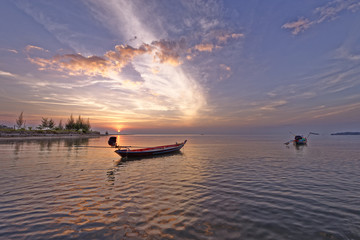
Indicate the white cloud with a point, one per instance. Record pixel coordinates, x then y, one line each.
7 74
120 17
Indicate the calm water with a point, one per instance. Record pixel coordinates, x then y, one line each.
218 187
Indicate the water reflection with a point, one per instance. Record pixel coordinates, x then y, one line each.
77 142
300 147
215 188
127 159
44 144
297 147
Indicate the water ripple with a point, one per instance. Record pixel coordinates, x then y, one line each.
219 188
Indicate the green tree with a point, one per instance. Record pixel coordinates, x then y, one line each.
44 123
70 123
85 126
51 124
79 123
20 120
88 126
60 126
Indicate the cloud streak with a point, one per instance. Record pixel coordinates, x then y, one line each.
328 12
6 74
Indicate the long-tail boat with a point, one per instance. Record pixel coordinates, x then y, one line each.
129 151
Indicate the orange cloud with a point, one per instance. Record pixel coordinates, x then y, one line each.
125 54
204 47
226 73
216 40
28 48
169 51
163 51
298 26
224 38
224 67
77 64
329 11
74 64
113 60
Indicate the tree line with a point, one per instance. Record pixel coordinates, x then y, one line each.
78 124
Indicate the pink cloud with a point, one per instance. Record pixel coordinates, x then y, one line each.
329 11
298 26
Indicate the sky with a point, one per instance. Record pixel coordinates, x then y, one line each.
158 66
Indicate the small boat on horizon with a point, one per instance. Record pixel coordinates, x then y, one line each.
299 139
129 151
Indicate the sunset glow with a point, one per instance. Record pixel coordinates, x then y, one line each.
207 67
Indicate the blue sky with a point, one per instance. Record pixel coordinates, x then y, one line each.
183 66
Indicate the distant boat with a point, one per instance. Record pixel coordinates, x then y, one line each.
126 151
300 140
346 133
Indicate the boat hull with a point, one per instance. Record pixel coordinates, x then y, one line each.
160 150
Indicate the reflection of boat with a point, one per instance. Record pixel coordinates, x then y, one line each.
126 151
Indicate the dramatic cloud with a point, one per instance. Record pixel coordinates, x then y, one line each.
328 12
76 64
148 74
163 51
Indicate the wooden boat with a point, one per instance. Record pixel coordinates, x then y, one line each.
126 151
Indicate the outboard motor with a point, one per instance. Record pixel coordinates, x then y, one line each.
112 141
297 138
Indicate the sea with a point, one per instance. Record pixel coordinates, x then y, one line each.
216 187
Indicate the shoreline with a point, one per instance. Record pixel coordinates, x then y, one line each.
19 136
